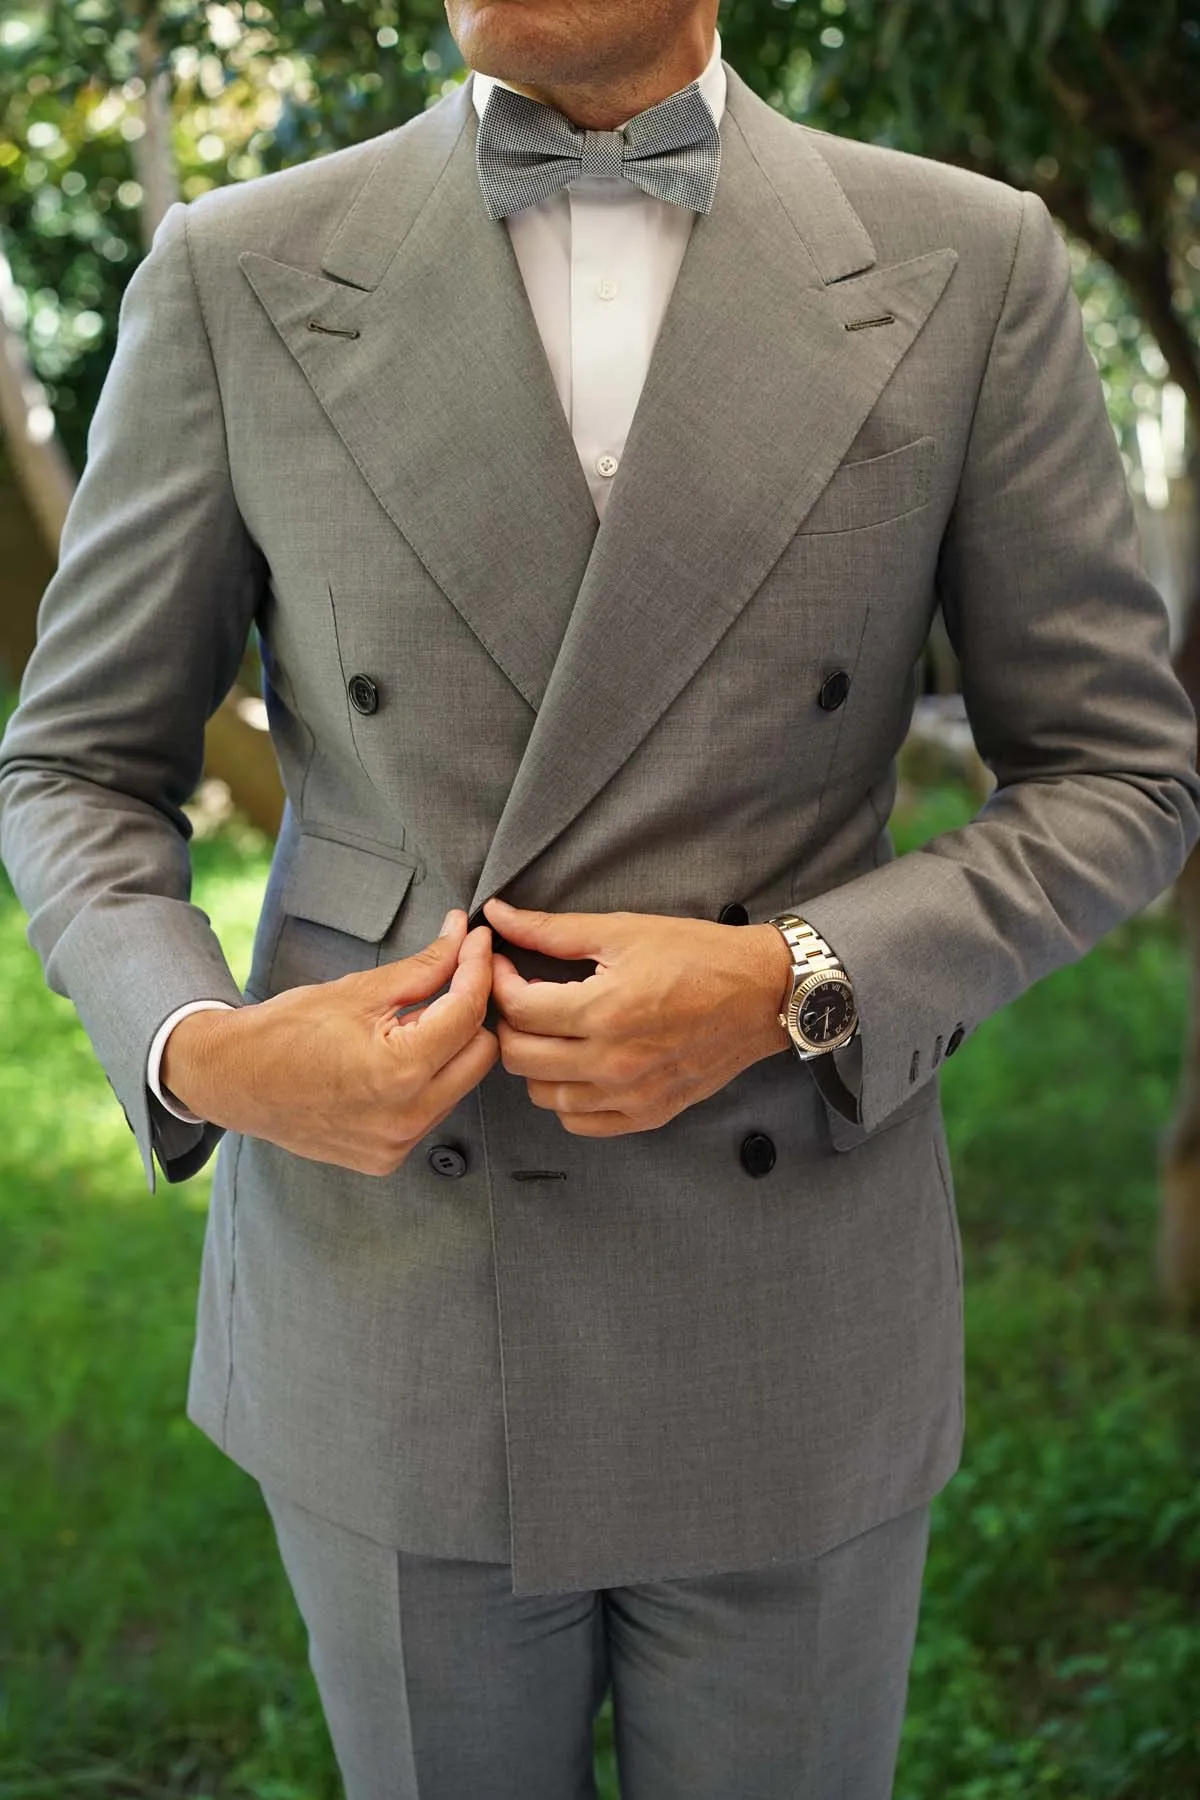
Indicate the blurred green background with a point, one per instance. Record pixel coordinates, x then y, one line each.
149 1645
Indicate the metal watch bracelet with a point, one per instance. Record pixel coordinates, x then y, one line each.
812 955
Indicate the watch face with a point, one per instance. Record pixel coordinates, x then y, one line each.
826 1012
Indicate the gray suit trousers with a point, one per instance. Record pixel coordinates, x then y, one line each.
780 1683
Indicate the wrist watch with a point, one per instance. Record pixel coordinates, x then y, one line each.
820 1013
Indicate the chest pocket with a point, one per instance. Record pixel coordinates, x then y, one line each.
872 492
338 903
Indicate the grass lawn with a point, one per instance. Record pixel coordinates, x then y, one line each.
149 1645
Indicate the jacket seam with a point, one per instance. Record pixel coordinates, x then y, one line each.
945 1177
207 336
831 762
233 1212
337 644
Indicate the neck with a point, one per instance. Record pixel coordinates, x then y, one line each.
603 106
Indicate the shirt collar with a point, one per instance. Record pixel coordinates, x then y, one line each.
712 84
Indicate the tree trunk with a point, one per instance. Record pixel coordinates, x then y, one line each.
153 153
1179 1165
27 566
237 749
39 462
1179 1169
239 752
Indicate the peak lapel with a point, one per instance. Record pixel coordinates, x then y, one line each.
755 392
444 398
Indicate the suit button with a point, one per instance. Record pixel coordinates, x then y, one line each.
733 914
364 696
834 690
758 1154
954 1040
444 1159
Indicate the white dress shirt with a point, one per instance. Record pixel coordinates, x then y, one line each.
599 260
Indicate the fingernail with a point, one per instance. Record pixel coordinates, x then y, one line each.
447 922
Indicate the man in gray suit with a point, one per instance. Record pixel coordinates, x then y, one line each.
591 453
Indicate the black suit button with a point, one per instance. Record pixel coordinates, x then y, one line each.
834 690
955 1039
733 914
444 1159
758 1154
364 696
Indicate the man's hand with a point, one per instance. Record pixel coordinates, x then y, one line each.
329 1072
676 1009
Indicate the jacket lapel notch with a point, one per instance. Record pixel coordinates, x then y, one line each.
411 161
789 161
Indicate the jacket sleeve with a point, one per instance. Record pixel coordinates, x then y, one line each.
1068 686
140 635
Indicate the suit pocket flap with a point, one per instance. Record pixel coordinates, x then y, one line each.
346 887
871 492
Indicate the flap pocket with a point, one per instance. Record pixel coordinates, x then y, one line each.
871 492
346 887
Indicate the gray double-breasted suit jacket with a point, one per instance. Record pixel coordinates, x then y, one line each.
329 413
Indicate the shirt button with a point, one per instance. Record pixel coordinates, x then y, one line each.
607 289
606 465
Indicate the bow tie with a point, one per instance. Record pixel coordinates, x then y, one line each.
525 150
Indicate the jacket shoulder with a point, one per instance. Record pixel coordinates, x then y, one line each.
878 176
910 204
290 212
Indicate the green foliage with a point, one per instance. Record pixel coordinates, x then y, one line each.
1094 103
148 1642
254 88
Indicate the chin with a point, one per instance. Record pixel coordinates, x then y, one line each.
516 41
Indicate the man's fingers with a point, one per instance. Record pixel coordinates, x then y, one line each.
459 1076
435 1032
451 1020
551 1008
573 937
414 977
546 1058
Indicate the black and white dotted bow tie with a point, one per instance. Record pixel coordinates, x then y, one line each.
525 150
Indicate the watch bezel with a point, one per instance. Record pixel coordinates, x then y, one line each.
791 1015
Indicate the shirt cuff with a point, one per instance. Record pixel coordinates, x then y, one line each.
159 1045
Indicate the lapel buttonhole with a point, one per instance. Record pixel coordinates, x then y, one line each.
332 330
868 324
